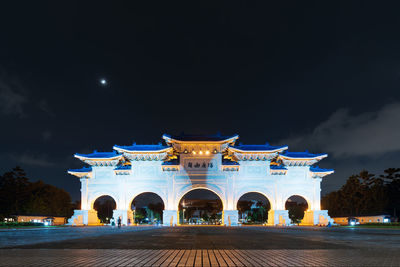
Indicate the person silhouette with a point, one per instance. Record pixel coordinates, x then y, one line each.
119 222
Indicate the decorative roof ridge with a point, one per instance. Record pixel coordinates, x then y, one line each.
258 148
141 148
300 155
123 167
83 169
226 162
200 138
98 155
277 167
318 169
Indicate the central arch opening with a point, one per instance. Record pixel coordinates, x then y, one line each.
147 208
200 207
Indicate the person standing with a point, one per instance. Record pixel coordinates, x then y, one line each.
119 222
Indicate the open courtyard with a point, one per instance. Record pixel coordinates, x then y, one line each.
200 246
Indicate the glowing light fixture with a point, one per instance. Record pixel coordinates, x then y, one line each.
185 151
194 152
215 151
207 152
201 152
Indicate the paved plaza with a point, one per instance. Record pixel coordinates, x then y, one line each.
200 246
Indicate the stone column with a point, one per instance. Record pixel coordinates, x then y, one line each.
170 217
125 215
316 217
84 217
278 217
230 217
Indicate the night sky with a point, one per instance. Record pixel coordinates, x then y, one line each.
322 76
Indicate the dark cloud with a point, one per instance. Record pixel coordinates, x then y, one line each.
369 134
44 106
46 135
264 70
13 96
32 159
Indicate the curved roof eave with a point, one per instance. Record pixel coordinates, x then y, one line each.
259 151
170 139
86 157
120 148
317 156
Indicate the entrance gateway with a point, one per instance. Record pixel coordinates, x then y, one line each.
211 162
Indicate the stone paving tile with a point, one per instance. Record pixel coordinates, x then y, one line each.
199 257
19 237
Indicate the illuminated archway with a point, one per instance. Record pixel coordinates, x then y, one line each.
105 206
200 206
296 206
253 208
147 208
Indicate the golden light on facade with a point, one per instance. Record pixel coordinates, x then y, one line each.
207 152
194 152
201 152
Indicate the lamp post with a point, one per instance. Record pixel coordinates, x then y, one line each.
183 211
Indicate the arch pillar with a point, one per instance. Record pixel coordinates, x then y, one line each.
125 215
170 217
278 217
84 217
230 217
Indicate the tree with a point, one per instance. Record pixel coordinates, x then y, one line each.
18 196
366 194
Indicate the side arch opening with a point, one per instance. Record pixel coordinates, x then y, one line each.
296 206
253 208
147 208
105 206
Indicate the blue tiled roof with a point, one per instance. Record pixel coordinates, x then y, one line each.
265 147
97 155
318 169
229 162
210 137
277 167
136 147
305 154
124 167
84 169
171 162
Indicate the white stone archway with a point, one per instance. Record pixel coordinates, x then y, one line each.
213 163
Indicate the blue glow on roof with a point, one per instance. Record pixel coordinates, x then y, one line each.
124 167
171 162
229 162
136 147
304 154
277 167
318 169
84 169
97 155
265 147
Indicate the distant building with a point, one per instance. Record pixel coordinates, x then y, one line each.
361 219
49 220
